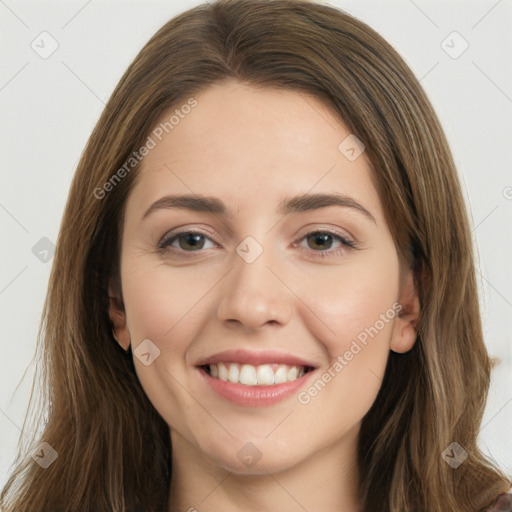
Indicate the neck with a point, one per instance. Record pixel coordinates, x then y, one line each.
326 480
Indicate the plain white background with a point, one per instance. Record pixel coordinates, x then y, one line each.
48 107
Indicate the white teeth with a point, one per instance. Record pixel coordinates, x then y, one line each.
292 373
248 375
223 371
233 373
262 375
281 374
265 375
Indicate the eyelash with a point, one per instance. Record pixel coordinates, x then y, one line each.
347 244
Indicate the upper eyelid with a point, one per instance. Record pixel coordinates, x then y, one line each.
170 235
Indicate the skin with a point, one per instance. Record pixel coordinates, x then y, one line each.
251 147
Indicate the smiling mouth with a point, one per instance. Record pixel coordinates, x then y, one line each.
261 375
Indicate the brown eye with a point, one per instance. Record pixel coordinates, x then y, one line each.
187 241
195 241
321 242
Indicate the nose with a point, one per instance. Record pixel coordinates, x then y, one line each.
254 294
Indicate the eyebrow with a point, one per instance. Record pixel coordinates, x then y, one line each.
296 204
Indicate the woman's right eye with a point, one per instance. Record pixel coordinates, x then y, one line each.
185 240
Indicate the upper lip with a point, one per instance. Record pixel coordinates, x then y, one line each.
243 356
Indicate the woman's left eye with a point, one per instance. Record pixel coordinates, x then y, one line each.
325 237
195 240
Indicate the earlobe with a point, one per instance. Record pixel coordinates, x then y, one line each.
117 316
404 331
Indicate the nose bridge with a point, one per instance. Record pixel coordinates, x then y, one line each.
253 294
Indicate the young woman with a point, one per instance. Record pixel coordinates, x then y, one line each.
263 294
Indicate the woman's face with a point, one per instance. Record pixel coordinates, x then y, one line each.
267 287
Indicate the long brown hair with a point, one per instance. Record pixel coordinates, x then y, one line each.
95 414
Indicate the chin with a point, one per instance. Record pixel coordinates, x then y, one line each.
259 457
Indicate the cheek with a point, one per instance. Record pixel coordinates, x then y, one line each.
344 390
161 301
352 300
354 313
161 304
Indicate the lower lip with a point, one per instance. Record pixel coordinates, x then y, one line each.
254 396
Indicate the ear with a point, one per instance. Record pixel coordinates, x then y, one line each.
117 315
404 329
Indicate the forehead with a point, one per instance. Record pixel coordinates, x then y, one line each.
252 146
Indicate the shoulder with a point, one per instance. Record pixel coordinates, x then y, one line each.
502 503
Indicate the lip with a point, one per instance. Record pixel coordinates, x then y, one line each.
254 396
243 356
